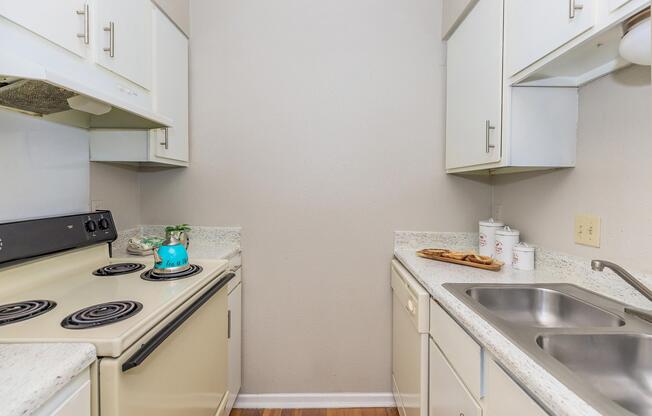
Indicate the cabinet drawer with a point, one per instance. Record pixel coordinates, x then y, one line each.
448 394
463 353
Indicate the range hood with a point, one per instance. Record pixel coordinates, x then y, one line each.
30 87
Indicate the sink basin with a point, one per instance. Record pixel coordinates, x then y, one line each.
617 365
587 341
541 307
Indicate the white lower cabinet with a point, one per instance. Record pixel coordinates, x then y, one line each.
505 398
235 344
461 378
74 399
448 394
465 380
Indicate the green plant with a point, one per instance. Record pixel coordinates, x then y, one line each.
177 228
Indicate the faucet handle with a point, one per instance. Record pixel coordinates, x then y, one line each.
597 265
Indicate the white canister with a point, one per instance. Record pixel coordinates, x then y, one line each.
523 257
506 239
488 236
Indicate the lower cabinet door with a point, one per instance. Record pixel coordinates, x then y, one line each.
448 394
505 398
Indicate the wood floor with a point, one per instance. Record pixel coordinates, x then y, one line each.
364 411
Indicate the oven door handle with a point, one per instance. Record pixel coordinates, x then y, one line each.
147 348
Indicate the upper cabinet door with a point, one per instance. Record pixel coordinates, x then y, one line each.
474 87
171 87
534 28
63 22
124 39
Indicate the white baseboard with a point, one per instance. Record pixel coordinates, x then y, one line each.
314 400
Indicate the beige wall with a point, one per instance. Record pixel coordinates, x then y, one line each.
118 189
178 11
612 179
453 12
317 126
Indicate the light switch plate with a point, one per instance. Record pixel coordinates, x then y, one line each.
587 230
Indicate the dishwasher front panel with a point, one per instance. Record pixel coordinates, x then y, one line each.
409 345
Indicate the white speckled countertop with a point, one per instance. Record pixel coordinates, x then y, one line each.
205 242
30 374
550 268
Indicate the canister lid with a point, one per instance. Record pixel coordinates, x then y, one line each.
491 223
523 247
508 232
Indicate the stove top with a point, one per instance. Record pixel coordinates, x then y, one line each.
21 311
49 292
67 280
118 268
102 314
152 276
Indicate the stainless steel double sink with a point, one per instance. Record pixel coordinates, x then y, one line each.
585 340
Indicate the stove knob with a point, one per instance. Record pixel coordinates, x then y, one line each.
91 226
103 223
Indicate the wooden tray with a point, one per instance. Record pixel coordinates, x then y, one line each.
494 267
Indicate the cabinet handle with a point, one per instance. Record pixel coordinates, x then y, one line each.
488 127
572 8
228 331
166 140
111 48
86 14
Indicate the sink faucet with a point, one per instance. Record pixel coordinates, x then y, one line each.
599 265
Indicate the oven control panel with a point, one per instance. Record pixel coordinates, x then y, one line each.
24 240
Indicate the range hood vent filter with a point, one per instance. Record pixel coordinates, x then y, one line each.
36 97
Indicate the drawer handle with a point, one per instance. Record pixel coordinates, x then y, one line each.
573 7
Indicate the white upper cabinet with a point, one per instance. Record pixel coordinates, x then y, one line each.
505 62
169 74
474 87
124 38
534 28
616 4
564 43
171 87
64 22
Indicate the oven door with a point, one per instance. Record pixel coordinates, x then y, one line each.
179 368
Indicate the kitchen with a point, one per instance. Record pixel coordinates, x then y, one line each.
316 132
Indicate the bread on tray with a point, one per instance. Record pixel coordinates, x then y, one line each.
457 255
